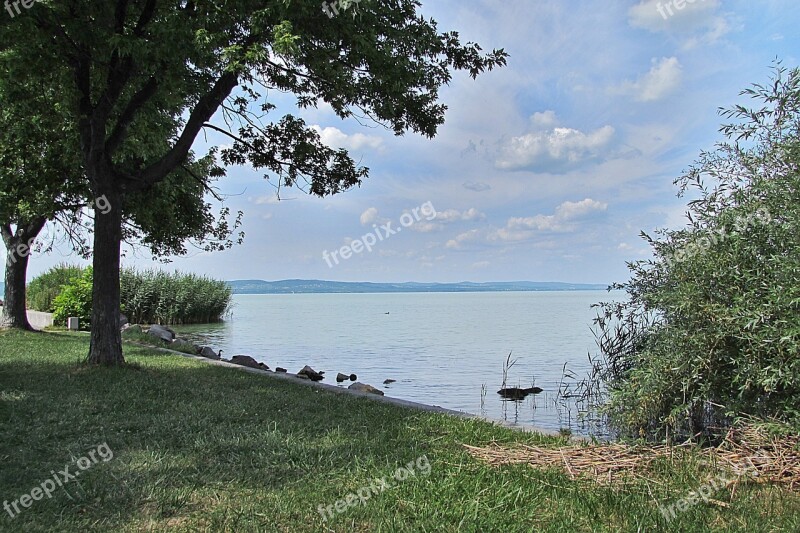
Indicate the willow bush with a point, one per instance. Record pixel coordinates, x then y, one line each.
710 330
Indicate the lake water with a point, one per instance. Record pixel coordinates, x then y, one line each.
441 348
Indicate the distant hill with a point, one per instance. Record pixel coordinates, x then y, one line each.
289 286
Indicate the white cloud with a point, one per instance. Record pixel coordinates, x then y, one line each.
336 138
369 216
448 216
551 148
464 238
267 199
663 78
566 218
543 120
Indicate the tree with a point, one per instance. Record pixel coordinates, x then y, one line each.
711 331
121 61
42 178
36 163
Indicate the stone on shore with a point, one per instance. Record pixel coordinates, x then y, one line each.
161 332
246 360
131 329
280 369
363 387
208 352
183 345
311 374
341 377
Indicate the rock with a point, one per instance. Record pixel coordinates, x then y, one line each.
312 374
207 351
281 370
341 377
131 329
161 332
246 360
301 376
353 377
183 345
388 381
363 387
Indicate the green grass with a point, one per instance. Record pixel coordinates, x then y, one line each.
203 448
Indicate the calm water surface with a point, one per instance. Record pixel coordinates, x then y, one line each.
440 348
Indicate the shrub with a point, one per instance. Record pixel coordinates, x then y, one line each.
711 328
75 299
43 289
151 296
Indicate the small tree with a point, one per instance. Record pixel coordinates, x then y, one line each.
711 329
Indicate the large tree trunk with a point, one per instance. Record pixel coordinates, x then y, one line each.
14 313
105 347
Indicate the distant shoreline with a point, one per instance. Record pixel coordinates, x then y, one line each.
344 287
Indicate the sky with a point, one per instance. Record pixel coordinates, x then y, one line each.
546 170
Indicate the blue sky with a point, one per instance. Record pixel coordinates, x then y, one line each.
545 170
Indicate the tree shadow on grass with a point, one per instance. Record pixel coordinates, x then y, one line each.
184 435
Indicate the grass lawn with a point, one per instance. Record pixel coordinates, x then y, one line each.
202 448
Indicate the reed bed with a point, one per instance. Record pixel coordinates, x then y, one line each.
750 451
154 296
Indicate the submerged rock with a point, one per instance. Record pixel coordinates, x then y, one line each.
388 381
514 393
363 387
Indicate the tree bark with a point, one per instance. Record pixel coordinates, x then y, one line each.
14 312
105 346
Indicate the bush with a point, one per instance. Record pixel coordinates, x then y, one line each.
147 297
711 329
75 300
43 289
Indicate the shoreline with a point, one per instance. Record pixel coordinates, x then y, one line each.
374 397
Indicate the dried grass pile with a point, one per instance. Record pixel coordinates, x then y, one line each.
748 451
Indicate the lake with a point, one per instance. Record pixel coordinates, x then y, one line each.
445 349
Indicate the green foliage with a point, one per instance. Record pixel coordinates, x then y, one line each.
154 296
711 328
75 299
43 289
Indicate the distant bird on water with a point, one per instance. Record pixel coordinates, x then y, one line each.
514 393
